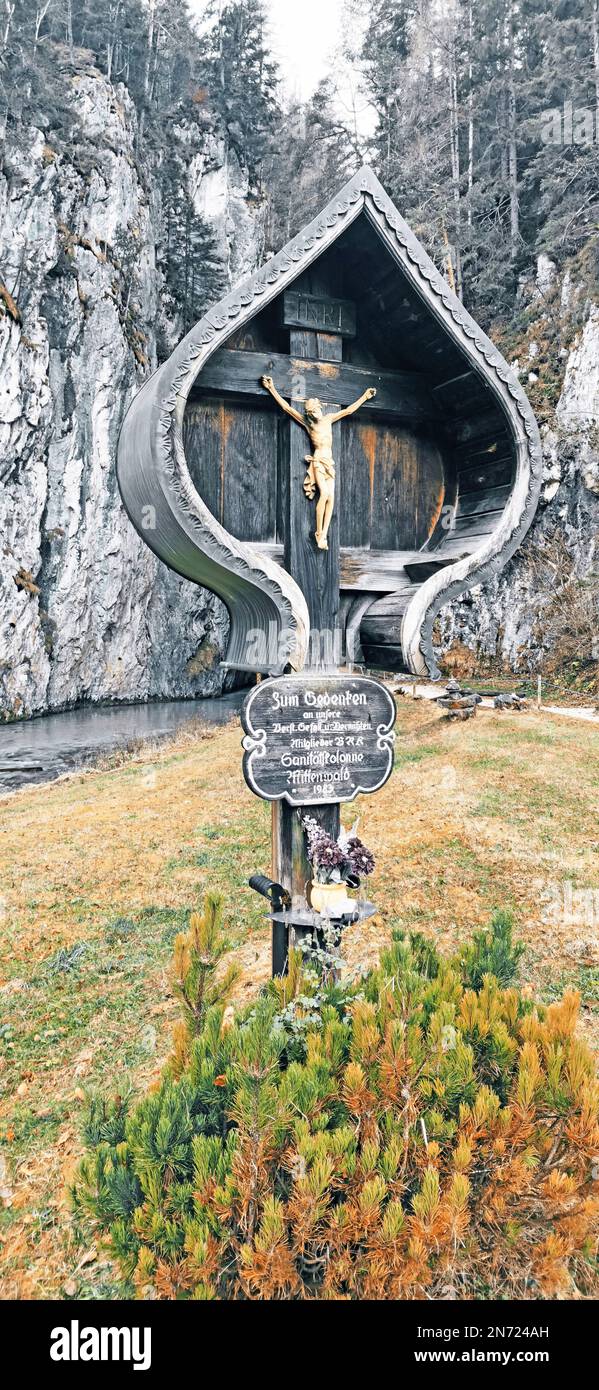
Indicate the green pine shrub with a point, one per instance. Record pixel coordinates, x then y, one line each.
407 1136
492 951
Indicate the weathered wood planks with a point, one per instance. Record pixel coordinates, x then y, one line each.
406 394
390 481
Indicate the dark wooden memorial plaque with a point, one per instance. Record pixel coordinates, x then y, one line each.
317 739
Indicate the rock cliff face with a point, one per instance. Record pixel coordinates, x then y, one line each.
86 612
544 607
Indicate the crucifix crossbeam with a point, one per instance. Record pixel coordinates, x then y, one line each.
405 395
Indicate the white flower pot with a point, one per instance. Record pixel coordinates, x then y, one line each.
331 899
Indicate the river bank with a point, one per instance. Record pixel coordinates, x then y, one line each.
41 749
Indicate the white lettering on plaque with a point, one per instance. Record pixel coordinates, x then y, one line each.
337 743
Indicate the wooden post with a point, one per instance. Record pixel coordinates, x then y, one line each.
317 573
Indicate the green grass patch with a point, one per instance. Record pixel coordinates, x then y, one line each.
92 994
584 978
404 756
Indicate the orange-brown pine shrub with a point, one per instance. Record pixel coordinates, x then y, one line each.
408 1138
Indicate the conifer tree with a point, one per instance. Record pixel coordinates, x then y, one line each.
243 77
486 133
561 84
310 156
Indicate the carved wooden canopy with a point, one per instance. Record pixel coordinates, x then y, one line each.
438 378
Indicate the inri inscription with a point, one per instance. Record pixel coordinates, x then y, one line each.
322 315
311 739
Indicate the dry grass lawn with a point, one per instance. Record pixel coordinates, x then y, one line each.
100 870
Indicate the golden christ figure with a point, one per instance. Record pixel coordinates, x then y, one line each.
321 464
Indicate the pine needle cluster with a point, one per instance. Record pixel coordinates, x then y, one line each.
409 1137
199 985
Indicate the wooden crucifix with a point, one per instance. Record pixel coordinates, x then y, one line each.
317 326
320 477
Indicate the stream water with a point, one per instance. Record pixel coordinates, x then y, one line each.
38 750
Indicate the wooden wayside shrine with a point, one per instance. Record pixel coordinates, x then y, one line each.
438 475
337 450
